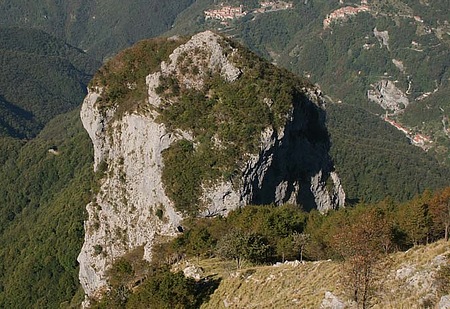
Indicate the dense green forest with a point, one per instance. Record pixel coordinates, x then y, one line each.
375 160
101 28
40 77
44 186
45 181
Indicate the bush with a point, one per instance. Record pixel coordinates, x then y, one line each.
164 289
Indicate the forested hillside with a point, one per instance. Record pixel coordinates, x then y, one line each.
44 187
375 160
101 28
40 77
400 41
46 170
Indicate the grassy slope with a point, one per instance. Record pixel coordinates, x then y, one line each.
304 286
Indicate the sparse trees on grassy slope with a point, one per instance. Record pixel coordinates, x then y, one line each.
360 242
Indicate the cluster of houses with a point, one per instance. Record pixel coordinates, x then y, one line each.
227 12
344 13
347 11
415 138
271 6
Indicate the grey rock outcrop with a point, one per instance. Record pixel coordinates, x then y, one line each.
192 271
122 215
330 301
212 58
382 36
388 96
444 302
132 209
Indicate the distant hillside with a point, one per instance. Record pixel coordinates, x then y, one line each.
395 49
102 28
375 160
40 77
44 186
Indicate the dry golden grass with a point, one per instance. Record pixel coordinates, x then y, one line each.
304 285
416 287
284 286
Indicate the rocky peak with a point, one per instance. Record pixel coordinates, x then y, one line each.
205 53
206 129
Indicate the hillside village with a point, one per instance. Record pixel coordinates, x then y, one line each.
226 12
343 13
416 139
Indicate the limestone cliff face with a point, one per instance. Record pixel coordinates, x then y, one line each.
132 207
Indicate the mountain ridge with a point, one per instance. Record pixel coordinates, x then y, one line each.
41 77
376 168
264 142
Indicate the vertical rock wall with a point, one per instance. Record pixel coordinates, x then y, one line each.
131 208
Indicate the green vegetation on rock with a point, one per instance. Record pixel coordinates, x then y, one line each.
226 120
122 79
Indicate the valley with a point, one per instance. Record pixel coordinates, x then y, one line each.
355 114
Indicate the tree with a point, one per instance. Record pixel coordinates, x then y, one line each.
300 240
164 289
284 248
414 220
318 246
440 210
200 242
360 243
240 246
232 246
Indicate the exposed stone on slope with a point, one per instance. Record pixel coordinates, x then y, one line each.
444 302
382 36
132 208
399 64
290 168
418 278
388 96
192 271
211 57
330 301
